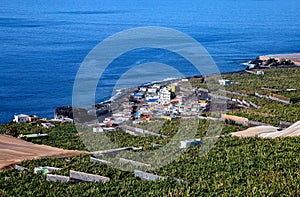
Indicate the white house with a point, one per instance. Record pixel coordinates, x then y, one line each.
21 118
164 96
190 143
152 90
143 89
224 82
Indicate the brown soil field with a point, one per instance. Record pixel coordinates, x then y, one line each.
13 151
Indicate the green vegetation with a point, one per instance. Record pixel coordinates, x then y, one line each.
277 79
280 79
233 167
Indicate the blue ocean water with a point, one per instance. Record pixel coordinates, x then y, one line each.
42 43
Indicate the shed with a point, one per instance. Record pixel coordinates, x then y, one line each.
190 143
224 82
260 72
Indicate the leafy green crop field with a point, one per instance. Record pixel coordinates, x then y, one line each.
279 79
233 167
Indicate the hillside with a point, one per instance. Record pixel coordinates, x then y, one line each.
248 166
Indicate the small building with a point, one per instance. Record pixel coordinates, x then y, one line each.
138 95
260 72
157 86
152 90
164 96
172 88
47 125
224 82
33 119
21 118
151 99
143 89
98 130
190 143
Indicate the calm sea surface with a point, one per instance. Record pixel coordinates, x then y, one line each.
42 42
